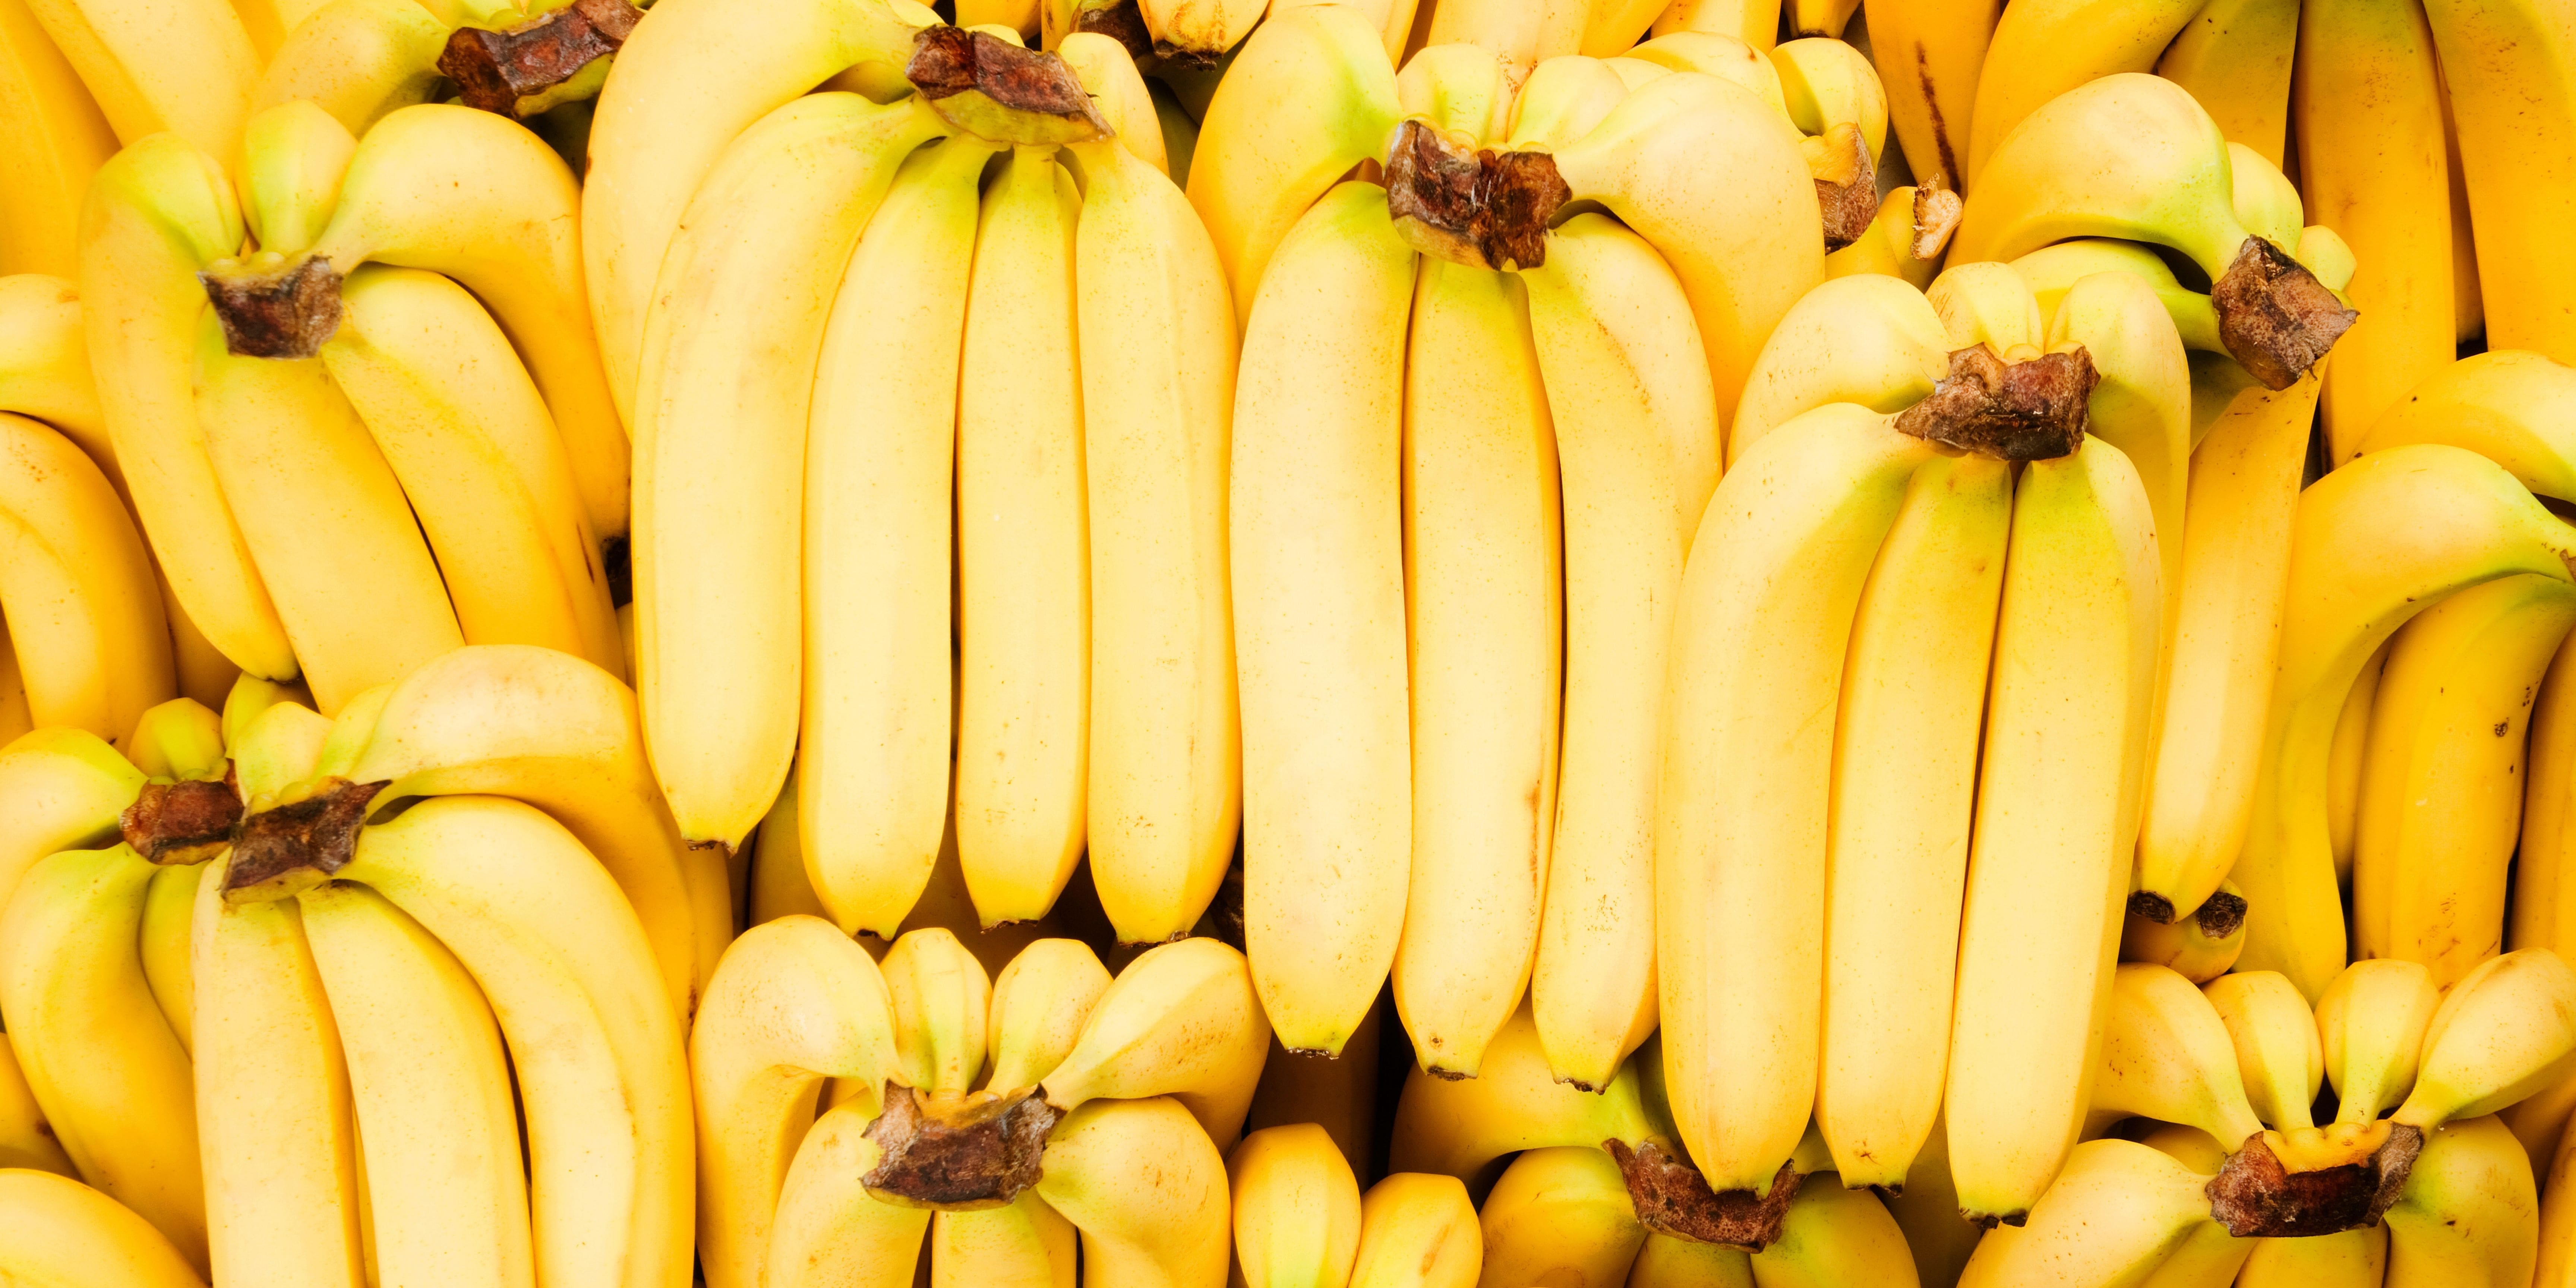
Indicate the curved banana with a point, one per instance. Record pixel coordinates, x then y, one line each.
1825 83
2469 1213
2358 569
1904 790
2040 926
1147 1190
721 434
1181 1021
1042 1003
60 789
1831 1236
2118 1210
1637 445
2352 1259
1906 240
1561 1215
1121 96
27 1141
44 364
1864 339
793 1002
1729 59
2167 1055
1296 1209
2268 204
1418 1231
2510 72
61 139
2370 1029
2202 946
1165 796
828 1228
941 1006
2278 1052
1754 22
2508 405
2041 51
2505 1031
358 60
1669 1262
55 1231
2052 270
2234 56
1456 1128
1561 101
1929 55
1987 302
179 740
184 68
1024 1245
85 619
2141 406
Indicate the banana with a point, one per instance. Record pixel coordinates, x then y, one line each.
358 60
178 740
1023 601
2344 761
941 1004
1669 1262
472 195
468 437
1870 340
1754 22
1199 32
44 365
562 735
718 619
57 1233
2268 204
105 1068
27 1141
2209 1257
2352 1259
2557 1252
60 140
60 789
2040 928
1024 1245
1165 786
1418 1231
2141 406
2234 56
1927 1212
2041 52
1561 1215
1714 180
1182 1021
2469 1213
2133 156
2442 781
1929 55
1519 35
2509 77
14 718
1987 302
880 449
1825 83
2508 405
1319 618
2369 107
335 538
596 1050
2201 946
1147 1190
183 68
2278 1052
2051 270
1457 1128
1336 1093
2167 1055
2118 1210
1458 83
87 629
827 1228
2504 1032
2358 570
1833 1236
1904 786
276 751
2228 614
793 1002
1561 101
1042 1004
276 1131
1636 430
1296 1209
1906 240
2370 1027
156 214
2540 1122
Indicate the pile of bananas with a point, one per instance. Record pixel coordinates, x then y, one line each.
1391 643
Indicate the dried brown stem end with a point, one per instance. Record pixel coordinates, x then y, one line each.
298 844
2274 316
509 71
1122 21
1673 1198
282 313
1846 184
1478 208
958 1153
1001 92
2221 914
181 822
2254 1194
2152 906
2016 411
1936 216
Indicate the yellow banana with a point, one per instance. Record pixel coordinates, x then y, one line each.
85 620
1181 1021
58 1233
1927 1212
1987 302
1319 618
2441 792
1560 1215
1755 22
2508 405
44 365
1418 1231
185 68
60 140
2053 826
27 1141
1906 240
1023 592
793 1002
1337 1093
1561 101
2278 1052
2142 405
2358 569
1930 55
1904 789
1832 1236
2352 1259
2469 1213
2117 1211
2557 1251
1866 339
1042 1002
1196 31
2167 1055
1296 1209
2040 52
1724 56
2201 946
178 740
2505 1031
60 789
1024 1245
2510 72
717 617
1669 1262
2052 270
880 451
1636 429
1165 778
1147 1190
2234 56
941 1003
276 751
1458 1127
828 1228
358 60
2370 1028
2209 1257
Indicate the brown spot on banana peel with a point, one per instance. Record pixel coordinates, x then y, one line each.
1002 92
1122 21
181 822
2015 411
298 844
1673 1198
1846 184
1478 208
2256 1194
508 72
2274 316
285 312
959 1153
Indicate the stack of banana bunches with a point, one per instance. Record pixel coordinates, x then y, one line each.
1287 643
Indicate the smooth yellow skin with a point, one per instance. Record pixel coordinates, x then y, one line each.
1418 1231
2510 79
1296 1209
2505 1031
828 1228
2278 1050
941 1001
60 789
44 361
1041 1003
2183 944
2040 52
92 644
2370 1027
2236 59
1988 303
1864 339
2469 1214
359 60
59 1233
1562 1216
2118 1210
2352 1259
1147 1190
1024 1245
61 141
1832 1235
1929 56
2168 1055
1183 1020
1458 1127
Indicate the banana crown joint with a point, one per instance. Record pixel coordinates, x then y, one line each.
1673 1198
1846 184
295 845
958 1153
2314 1180
285 310
2030 410
508 72
1002 92
181 822
2274 316
1468 205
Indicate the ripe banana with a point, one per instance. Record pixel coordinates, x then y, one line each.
1927 1212
2469 1213
1561 1215
1722 55
1147 1190
1042 1002
185 68
2202 946
2209 1257
2167 1055
2510 73
2051 270
178 741
2234 56
1561 101
1024 1245
941 1003
1199 32
1165 780
1833 1236
1296 1209
1929 54
793 1002
2142 405
2053 824
2278 1052
27 1141
1906 240
2117 1211
1754 22
2370 1028
1457 1128
464 430
1181 1021
2352 1259
2369 107
2358 570
2508 405
880 449
44 365
1669 1262
87 627
1988 303
1319 618
60 140
1866 339
109 1074
721 434
2442 780
2505 1031
1336 1093
2040 52
60 789
1418 1231
358 60
828 1228
1121 96
1023 601
57 1231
